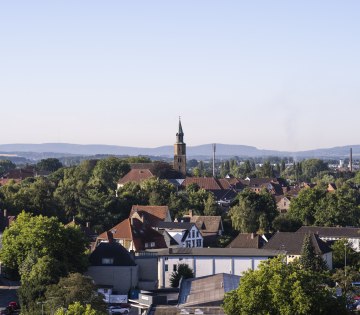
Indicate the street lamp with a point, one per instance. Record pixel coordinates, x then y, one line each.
345 268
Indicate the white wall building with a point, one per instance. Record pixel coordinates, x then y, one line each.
210 261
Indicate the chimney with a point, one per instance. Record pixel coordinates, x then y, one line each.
5 213
88 224
351 161
252 236
190 213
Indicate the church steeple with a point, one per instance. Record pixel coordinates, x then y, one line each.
180 151
180 134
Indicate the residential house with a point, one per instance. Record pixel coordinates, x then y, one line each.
143 171
112 266
134 235
19 174
210 261
283 203
223 191
210 227
248 240
332 234
151 214
275 186
292 244
135 176
185 234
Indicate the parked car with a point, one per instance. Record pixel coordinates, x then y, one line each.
116 310
13 306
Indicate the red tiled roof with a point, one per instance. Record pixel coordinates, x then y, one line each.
20 173
4 181
137 232
207 224
136 175
207 183
153 214
247 240
225 183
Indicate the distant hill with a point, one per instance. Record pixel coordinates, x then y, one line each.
37 151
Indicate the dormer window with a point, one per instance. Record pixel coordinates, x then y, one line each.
107 261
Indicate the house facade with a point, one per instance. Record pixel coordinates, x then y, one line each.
113 267
210 227
292 243
185 234
133 235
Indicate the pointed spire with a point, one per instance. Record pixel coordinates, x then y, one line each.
180 127
180 134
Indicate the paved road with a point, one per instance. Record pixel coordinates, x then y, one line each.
7 292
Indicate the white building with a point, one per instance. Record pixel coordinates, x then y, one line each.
210 261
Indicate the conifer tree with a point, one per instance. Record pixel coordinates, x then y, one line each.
309 260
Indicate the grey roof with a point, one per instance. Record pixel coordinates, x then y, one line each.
292 243
175 225
341 232
208 290
174 310
247 240
242 252
112 250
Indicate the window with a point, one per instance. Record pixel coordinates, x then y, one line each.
193 234
197 234
174 267
198 243
107 261
193 243
166 267
188 243
152 244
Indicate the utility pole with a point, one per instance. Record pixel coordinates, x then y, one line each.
214 149
345 287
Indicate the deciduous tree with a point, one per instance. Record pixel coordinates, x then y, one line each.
277 288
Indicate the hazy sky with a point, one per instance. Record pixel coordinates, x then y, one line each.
271 74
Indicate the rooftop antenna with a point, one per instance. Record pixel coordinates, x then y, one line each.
214 150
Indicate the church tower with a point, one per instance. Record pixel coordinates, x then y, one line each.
180 152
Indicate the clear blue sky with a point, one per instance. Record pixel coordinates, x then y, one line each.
272 74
